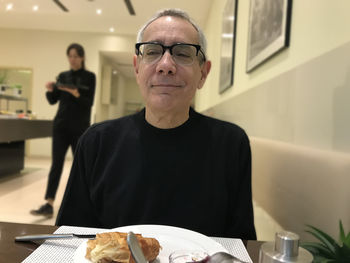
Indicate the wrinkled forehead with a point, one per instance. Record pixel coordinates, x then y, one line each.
170 29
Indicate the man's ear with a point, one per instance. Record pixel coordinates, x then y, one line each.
136 64
205 69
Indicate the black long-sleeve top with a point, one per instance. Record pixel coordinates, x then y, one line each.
196 176
74 113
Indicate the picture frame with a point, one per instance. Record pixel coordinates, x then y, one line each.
268 30
228 41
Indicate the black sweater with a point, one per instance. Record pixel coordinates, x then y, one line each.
73 113
196 176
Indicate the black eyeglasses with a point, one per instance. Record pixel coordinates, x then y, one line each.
182 53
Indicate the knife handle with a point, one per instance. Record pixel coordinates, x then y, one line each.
41 237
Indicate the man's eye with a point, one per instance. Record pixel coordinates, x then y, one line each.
152 52
183 54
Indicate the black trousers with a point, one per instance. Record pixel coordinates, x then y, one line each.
61 140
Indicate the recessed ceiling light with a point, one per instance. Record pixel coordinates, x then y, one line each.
98 11
9 7
35 8
111 29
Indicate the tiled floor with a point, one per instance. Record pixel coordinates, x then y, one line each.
22 192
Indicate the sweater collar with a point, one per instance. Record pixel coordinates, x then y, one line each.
142 120
76 71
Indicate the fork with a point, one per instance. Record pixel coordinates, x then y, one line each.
219 257
52 236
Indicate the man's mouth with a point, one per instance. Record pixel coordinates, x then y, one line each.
165 85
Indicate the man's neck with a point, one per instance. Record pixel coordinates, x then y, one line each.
166 120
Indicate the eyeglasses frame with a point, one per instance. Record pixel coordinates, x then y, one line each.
170 48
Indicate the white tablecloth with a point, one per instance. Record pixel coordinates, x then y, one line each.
63 250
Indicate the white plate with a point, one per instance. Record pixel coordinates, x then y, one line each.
170 239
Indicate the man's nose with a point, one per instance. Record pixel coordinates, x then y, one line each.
166 64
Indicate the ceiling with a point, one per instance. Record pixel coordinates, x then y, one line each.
82 17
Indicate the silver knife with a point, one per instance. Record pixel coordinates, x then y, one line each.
135 248
52 236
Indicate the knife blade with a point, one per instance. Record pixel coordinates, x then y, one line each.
52 236
135 248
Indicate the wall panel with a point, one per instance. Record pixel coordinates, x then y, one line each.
308 105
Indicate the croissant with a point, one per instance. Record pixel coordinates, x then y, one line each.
112 247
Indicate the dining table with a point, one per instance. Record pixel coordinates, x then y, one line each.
12 251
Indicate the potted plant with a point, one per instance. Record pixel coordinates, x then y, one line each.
17 90
328 250
2 81
2 76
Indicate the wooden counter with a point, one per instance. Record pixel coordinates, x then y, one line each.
21 129
13 133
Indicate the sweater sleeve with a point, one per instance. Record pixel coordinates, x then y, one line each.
242 216
86 98
53 97
77 208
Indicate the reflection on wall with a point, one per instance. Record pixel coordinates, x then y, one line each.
308 105
13 80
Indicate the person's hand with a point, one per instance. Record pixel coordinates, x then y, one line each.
49 86
74 92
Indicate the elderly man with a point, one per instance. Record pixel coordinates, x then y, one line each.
167 164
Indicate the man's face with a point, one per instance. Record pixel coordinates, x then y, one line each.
164 84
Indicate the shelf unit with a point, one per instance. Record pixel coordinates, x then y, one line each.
9 98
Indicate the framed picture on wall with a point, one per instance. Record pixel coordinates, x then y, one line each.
228 37
268 31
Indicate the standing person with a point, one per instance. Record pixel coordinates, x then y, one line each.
74 90
167 164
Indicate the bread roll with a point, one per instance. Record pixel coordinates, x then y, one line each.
112 247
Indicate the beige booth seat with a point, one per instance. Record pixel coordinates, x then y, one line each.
298 186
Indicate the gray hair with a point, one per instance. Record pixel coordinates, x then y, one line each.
175 13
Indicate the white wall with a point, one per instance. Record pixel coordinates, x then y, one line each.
44 53
133 98
318 26
300 96
123 91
